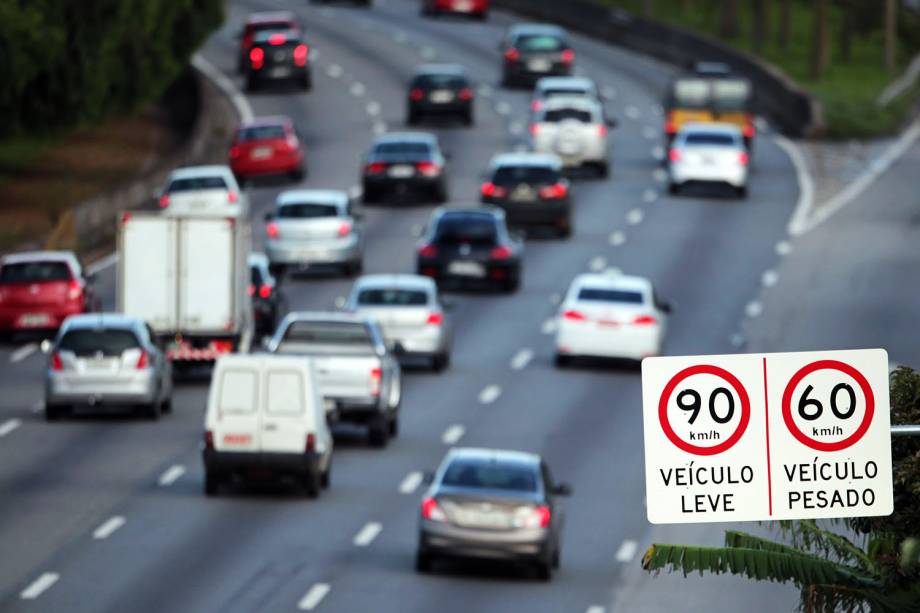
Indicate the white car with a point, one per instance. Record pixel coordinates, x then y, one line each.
551 87
409 313
204 190
610 315
712 153
575 129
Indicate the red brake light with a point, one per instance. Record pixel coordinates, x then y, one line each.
670 126
232 196
74 290
416 94
465 94
234 152
265 291
573 315
429 169
164 201
271 229
512 54
552 192
300 55
376 375
143 361
428 251
435 319
543 515
221 346
208 440
277 39
431 510
645 320
344 229
310 446
500 253
744 158
536 105
56 362
749 129
602 129
490 190
257 57
568 56
674 155
376 168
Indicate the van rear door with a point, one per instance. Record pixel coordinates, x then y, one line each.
236 421
286 417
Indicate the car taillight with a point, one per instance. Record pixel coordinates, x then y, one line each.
465 94
431 510
265 291
247 41
534 129
310 444
573 315
376 375
429 169
645 320
670 126
256 58
744 158
209 440
56 362
490 190
428 251
234 152
416 94
568 56
164 201
536 105
74 290
221 346
300 55
553 192
277 39
500 253
749 129
601 130
344 229
543 516
271 229
232 196
435 319
674 155
512 54
375 168
143 361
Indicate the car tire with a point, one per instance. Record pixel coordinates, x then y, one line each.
353 269
153 411
440 362
377 432
673 188
369 196
211 484
561 360
603 169
299 174
741 192
468 118
513 282
422 562
557 557
277 270
412 118
565 230
306 82
393 426
326 478
251 84
166 406
544 570
440 194
312 483
483 16
53 413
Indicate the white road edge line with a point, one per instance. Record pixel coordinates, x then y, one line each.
411 482
23 352
453 434
806 199
108 527
314 596
549 325
521 359
239 101
627 551
8 426
96 267
171 475
367 534
596 608
490 394
39 586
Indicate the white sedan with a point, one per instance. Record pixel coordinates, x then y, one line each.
709 153
610 315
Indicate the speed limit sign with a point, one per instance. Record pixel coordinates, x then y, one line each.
767 436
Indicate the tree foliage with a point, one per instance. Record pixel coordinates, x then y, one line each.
72 61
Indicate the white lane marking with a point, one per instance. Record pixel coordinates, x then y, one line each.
411 482
658 152
649 133
239 101
635 217
485 90
627 551
549 326
806 200
98 266
373 108
490 394
453 434
609 92
502 108
596 608
335 71
108 527
357 89
736 339
355 191
8 426
597 263
171 475
769 278
632 112
23 352
649 196
613 271
39 586
521 359
400 37
429 53
753 309
660 175
314 596
38 407
783 248
367 534
417 230
516 128
617 238
380 127
339 302
555 298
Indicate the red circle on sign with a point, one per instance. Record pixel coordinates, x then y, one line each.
828 365
704 369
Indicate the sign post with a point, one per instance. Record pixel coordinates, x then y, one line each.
767 436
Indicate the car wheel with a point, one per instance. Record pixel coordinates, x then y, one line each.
440 194
483 16
468 118
562 360
53 413
603 169
369 196
211 484
673 188
741 192
544 570
411 118
167 407
514 281
393 427
306 83
440 361
353 269
326 478
565 230
311 484
251 84
153 411
299 174
377 432
422 561
277 270
557 557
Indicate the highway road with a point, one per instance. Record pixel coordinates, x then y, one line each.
109 514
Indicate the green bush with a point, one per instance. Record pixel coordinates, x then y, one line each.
67 62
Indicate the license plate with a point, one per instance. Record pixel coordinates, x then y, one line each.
401 171
484 520
280 73
262 153
467 269
463 6
523 194
98 365
33 320
441 96
539 65
237 439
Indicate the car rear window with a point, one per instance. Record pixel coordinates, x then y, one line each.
392 297
710 138
435 81
471 230
108 341
564 114
305 210
191 184
402 149
239 390
34 272
285 393
597 294
259 133
255 276
540 42
327 333
481 474
264 26
574 91
515 175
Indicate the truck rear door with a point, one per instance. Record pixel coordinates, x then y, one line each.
285 419
237 426
207 285
147 270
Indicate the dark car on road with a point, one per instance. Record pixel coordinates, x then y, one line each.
478 9
441 90
267 300
471 244
532 51
278 57
492 504
403 164
269 21
531 190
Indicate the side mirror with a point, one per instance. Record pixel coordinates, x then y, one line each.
611 122
427 477
562 489
665 307
446 154
46 346
90 277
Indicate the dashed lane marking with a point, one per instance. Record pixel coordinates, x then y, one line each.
769 278
635 217
380 127
373 108
8 426
334 71
490 394
660 175
314 596
627 551
596 608
649 196
502 108
23 352
429 53
39 586
367 534
549 326
753 309
649 133
521 359
453 434
617 238
411 482
658 152
632 112
357 89
783 248
597 263
108 527
171 475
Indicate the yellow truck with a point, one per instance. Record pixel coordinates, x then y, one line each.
709 94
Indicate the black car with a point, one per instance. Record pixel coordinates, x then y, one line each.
494 504
267 301
440 90
531 190
532 51
471 244
403 164
278 56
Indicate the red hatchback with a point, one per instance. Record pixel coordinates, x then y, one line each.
473 8
267 146
274 21
39 290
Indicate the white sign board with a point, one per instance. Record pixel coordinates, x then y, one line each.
771 436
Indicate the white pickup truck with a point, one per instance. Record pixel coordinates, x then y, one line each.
359 378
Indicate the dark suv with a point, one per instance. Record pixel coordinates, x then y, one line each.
531 190
532 51
440 90
278 56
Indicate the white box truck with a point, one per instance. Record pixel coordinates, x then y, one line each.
188 277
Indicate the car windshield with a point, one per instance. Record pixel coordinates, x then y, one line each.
259 133
327 333
539 42
402 150
598 294
561 91
191 184
435 81
554 115
107 341
473 230
306 210
710 138
534 175
34 272
392 297
492 475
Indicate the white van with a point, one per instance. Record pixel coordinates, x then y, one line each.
265 415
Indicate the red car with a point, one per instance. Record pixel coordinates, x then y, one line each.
473 8
39 290
275 21
267 146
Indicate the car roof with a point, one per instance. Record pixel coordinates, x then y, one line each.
453 210
260 360
325 316
401 281
536 28
551 82
569 102
401 137
436 69
526 159
270 16
494 455
200 171
312 196
613 281
268 120
102 320
710 128
39 256
257 258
